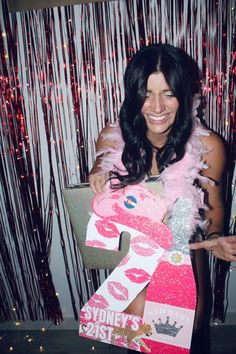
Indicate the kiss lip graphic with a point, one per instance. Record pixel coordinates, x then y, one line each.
120 341
124 260
118 291
98 301
95 243
144 246
137 275
107 229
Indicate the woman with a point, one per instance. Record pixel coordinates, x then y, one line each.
157 137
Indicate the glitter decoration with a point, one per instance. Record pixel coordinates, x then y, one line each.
179 224
60 85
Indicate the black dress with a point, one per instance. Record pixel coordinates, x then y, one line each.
201 329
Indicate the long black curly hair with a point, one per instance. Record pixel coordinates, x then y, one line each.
183 76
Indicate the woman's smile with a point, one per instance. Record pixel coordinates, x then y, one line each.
157 119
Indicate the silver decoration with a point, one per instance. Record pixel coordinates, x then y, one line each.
179 224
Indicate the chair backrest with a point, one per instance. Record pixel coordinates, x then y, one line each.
78 200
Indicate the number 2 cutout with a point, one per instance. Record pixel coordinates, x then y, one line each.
152 260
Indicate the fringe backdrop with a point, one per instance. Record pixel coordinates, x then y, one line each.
61 74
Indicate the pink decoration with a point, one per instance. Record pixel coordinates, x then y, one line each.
151 262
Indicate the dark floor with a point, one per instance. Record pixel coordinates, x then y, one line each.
67 342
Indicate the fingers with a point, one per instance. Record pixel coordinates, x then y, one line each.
221 247
97 182
196 245
230 239
207 245
227 247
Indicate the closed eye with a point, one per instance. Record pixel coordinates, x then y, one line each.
169 93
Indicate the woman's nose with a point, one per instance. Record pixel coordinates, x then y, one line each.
158 104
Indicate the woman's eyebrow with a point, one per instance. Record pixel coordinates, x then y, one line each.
165 90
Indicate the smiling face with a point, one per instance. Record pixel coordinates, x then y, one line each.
159 109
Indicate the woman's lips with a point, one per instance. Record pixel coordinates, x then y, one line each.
117 290
144 246
137 275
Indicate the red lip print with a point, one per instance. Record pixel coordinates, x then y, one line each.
95 243
137 275
118 291
144 246
98 301
107 229
124 261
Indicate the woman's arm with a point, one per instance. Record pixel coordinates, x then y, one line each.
221 247
97 179
215 160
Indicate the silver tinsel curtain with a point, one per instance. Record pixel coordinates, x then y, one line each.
61 76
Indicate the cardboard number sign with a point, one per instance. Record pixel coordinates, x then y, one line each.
155 259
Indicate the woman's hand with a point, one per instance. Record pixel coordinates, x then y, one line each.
97 181
223 247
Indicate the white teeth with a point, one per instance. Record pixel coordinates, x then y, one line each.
157 118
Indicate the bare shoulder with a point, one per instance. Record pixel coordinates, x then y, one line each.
215 155
104 141
213 142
